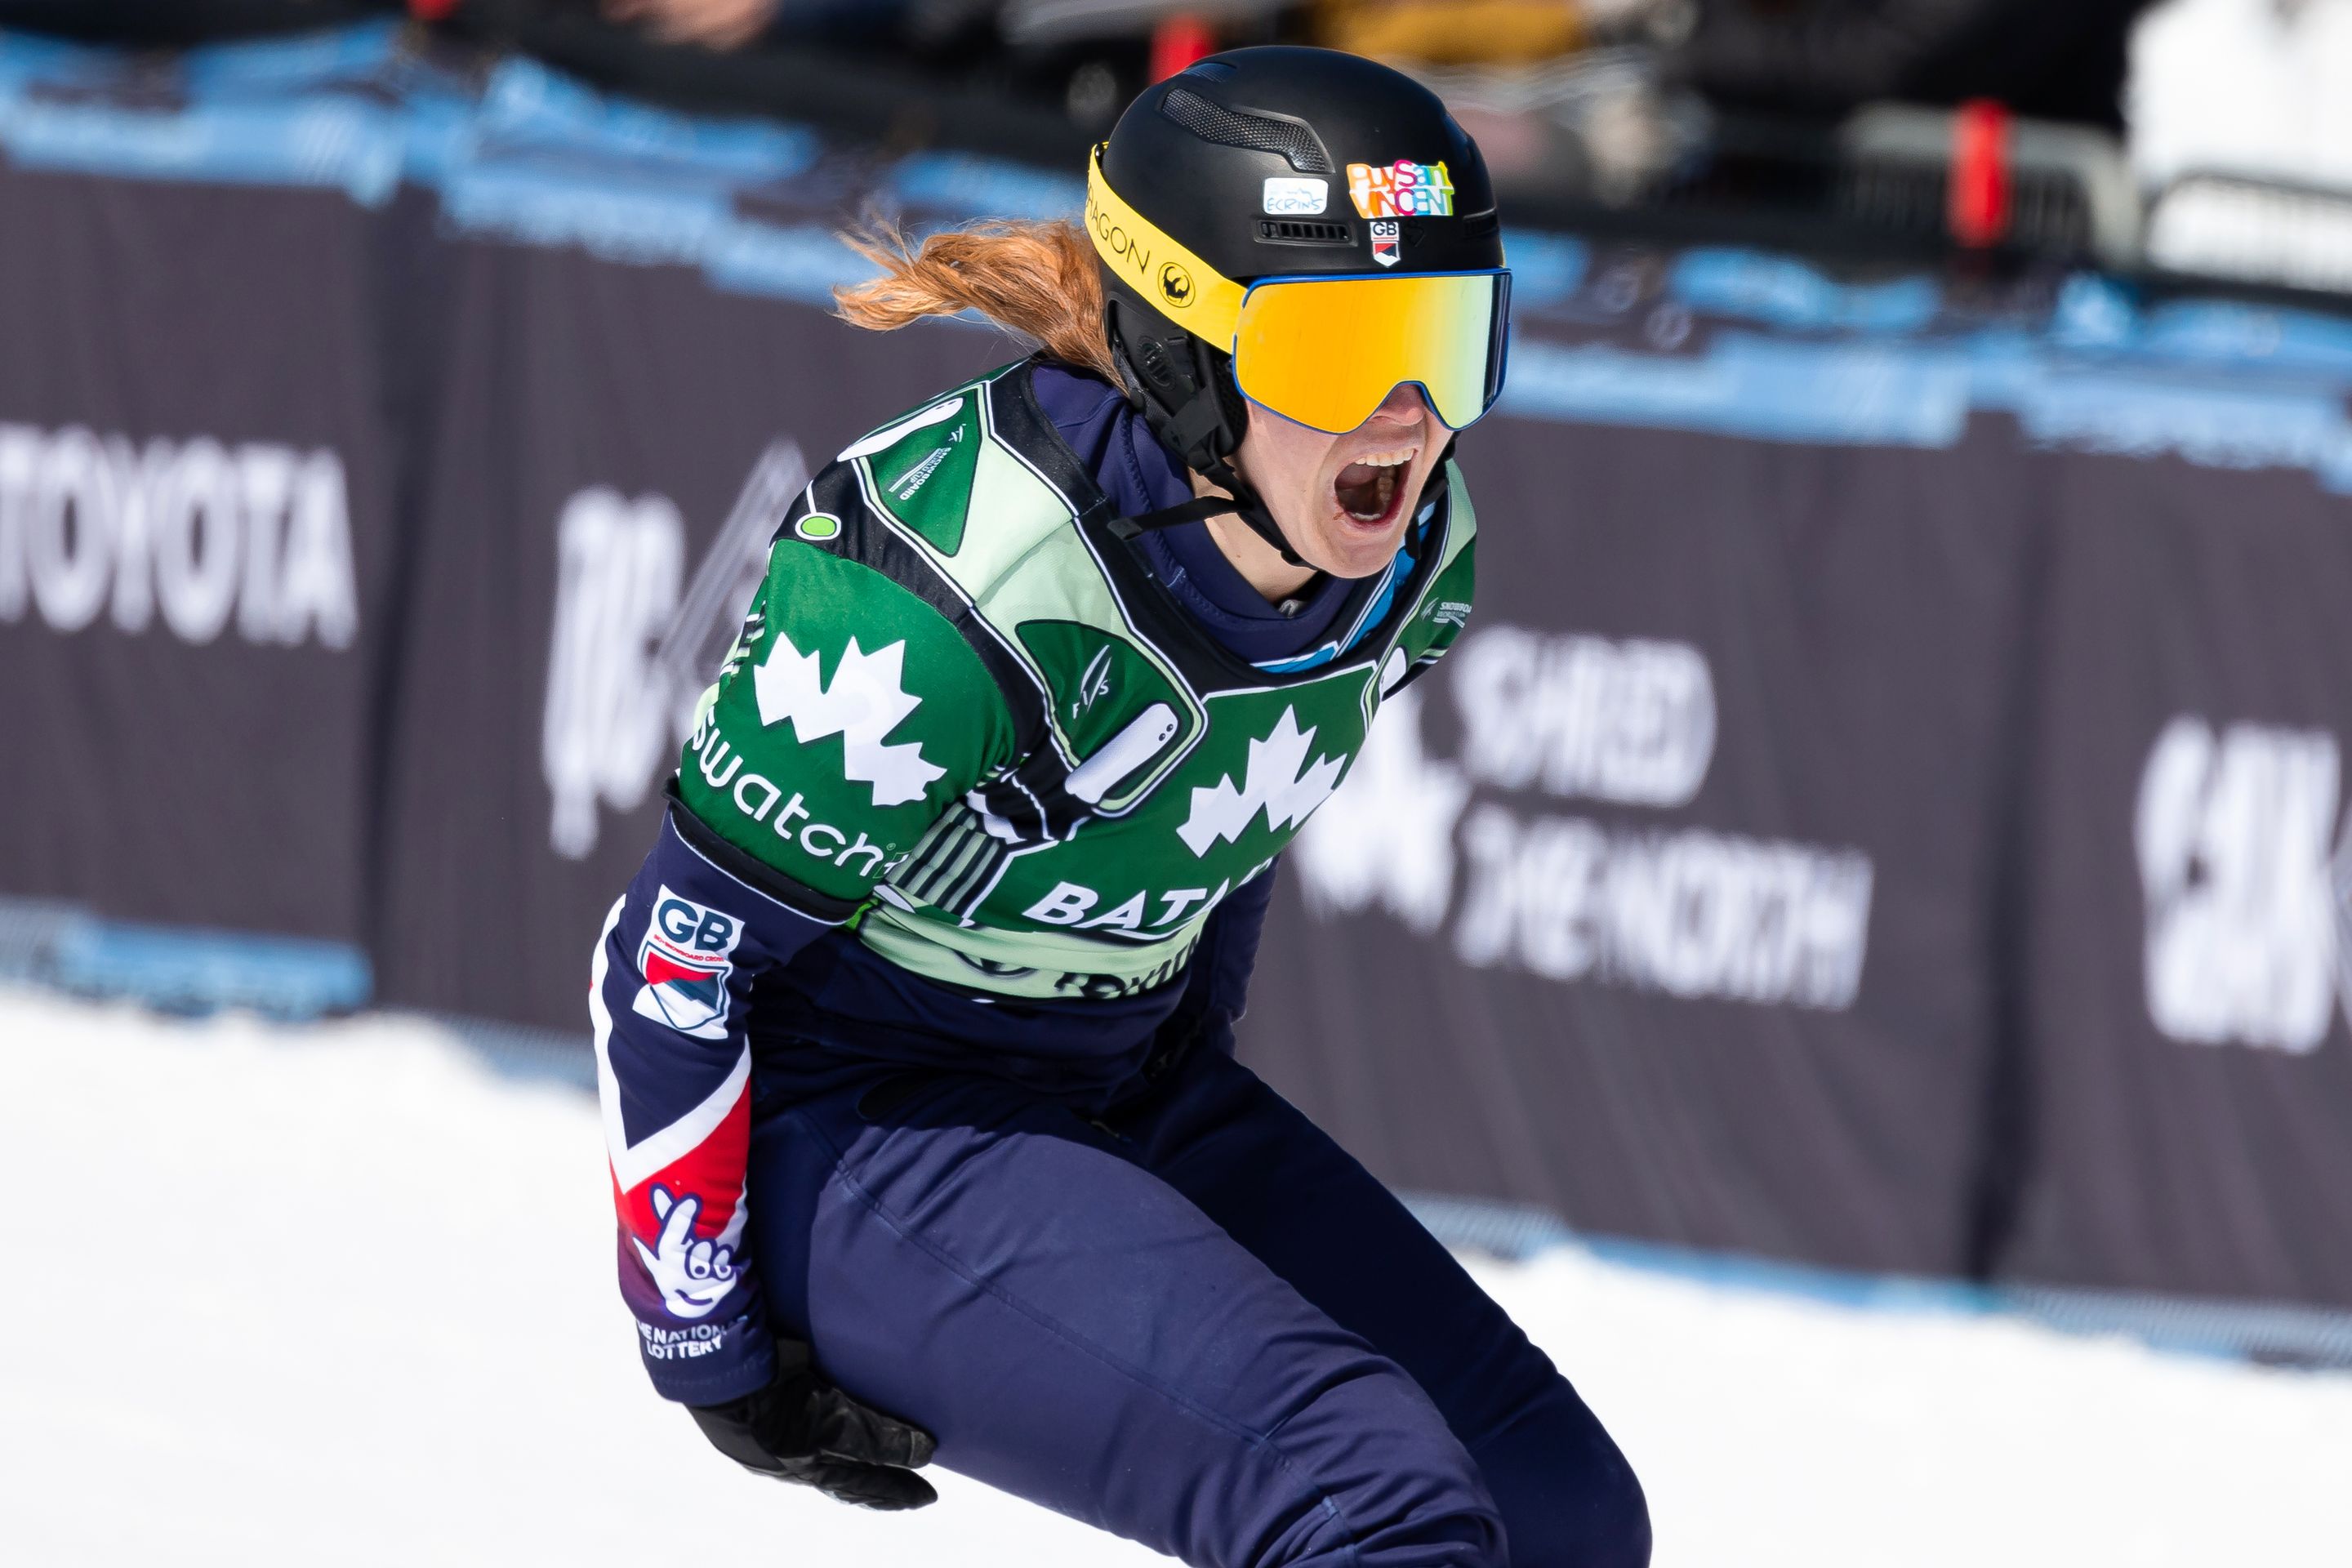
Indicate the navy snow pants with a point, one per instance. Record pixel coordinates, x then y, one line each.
1192 1320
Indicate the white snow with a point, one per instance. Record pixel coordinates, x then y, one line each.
339 1295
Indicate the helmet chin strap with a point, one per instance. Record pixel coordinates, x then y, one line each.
1185 392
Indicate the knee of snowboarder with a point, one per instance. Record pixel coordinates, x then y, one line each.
1432 1509
1427 1520
1615 1530
1568 1499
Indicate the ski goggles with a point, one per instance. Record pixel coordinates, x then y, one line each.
1322 349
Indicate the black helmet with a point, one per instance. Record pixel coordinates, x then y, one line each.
1271 162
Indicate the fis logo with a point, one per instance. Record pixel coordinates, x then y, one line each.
686 959
1093 683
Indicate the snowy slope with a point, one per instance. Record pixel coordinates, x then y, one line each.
259 1311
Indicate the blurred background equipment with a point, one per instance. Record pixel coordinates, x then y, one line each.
1887 815
2241 130
1823 124
1828 58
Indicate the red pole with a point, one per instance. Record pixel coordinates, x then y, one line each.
1978 211
1177 42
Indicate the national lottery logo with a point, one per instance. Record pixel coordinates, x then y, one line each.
686 959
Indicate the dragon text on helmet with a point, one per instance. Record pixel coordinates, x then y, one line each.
1116 240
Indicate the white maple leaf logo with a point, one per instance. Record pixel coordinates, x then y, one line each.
866 701
1277 781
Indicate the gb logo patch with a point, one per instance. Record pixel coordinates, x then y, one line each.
686 959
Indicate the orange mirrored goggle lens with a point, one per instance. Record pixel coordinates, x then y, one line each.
1326 351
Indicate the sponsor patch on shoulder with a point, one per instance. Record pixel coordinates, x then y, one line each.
686 959
1287 195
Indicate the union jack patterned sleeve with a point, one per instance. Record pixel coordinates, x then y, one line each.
668 991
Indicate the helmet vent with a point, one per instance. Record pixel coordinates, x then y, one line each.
1296 231
1260 133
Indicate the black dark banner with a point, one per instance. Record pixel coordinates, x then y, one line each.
2187 945
1887 808
197 485
1663 903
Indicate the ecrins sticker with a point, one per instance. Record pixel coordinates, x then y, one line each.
1286 196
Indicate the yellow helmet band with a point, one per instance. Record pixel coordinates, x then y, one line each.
1179 284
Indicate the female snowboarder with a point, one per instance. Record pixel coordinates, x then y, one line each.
915 1031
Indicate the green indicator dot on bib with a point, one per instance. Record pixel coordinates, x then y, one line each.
817 525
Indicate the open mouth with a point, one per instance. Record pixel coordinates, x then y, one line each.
1370 490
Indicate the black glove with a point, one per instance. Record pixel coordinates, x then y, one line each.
800 1429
